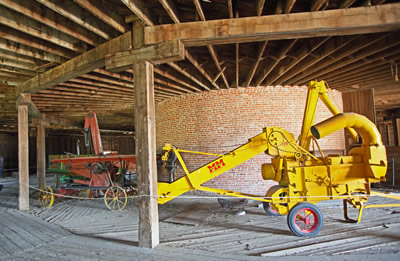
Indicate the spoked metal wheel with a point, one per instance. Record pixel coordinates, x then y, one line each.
305 219
115 198
46 197
270 210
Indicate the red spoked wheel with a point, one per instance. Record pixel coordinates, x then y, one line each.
305 219
270 210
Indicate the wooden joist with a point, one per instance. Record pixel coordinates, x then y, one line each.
77 66
298 25
160 53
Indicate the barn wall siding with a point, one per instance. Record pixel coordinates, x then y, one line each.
220 121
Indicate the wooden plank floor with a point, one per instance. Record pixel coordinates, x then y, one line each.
80 225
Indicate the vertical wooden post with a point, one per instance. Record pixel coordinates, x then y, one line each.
395 130
397 134
23 157
146 166
41 153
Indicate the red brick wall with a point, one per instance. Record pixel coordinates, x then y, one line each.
219 121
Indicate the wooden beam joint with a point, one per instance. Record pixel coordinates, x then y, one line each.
25 99
163 52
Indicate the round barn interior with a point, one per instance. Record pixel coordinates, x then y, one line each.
220 121
203 75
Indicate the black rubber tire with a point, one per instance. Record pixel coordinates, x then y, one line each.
269 210
298 217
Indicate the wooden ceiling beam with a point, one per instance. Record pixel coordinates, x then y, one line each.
103 13
24 24
77 66
115 75
78 98
167 91
21 49
194 62
271 65
165 74
18 71
18 66
359 20
254 66
188 75
22 38
25 99
346 3
315 56
137 7
46 16
170 8
260 7
371 62
172 85
211 49
376 45
4 54
88 87
296 58
66 93
384 83
12 76
145 15
102 81
77 15
288 5
363 76
316 5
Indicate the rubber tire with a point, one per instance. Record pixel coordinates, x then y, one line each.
291 219
269 210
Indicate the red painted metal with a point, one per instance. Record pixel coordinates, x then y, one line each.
99 170
306 220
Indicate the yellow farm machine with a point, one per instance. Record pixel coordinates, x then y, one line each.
303 179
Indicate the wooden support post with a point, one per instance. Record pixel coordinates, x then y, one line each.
146 166
395 130
41 153
23 157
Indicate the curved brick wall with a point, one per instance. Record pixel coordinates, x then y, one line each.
219 121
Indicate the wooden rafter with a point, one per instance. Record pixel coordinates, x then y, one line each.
281 55
259 57
177 80
36 29
198 66
22 38
188 75
260 7
170 8
76 14
298 25
138 8
45 16
107 16
296 58
318 4
288 5
369 63
346 3
316 56
374 46
77 66
211 49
